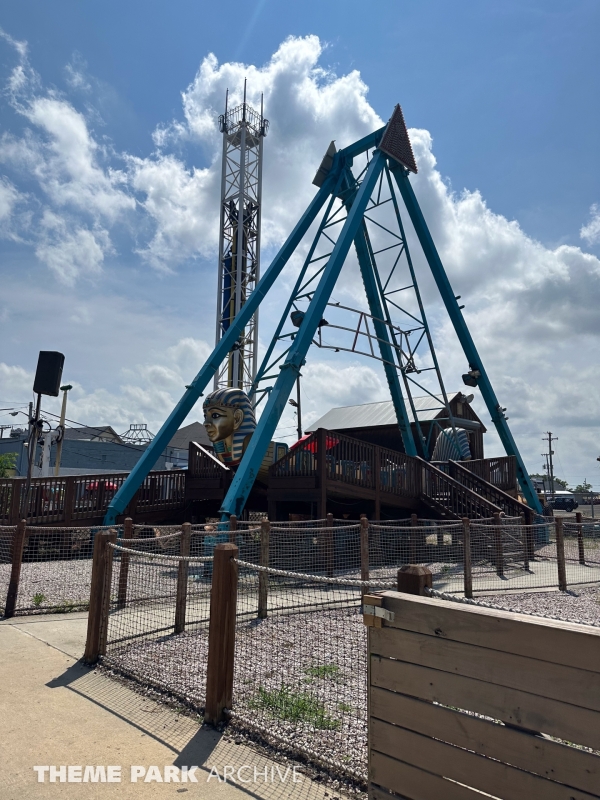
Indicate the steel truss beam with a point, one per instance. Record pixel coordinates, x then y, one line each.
338 185
257 447
460 326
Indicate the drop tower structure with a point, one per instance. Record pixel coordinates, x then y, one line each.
244 130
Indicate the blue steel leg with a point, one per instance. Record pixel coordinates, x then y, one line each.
202 379
381 330
465 338
248 469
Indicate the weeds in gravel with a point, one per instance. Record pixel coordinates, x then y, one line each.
323 671
38 599
292 706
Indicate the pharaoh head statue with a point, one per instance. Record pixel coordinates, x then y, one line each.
230 422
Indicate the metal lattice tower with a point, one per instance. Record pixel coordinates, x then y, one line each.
243 132
138 433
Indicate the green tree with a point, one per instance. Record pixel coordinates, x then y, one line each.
8 461
558 482
584 487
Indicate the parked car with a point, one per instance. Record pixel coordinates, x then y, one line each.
563 500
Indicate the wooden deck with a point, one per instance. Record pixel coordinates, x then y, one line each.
327 472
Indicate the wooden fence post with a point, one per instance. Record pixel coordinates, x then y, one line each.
364 552
467 557
232 528
18 546
412 540
182 577
329 548
560 554
580 537
221 633
263 577
322 472
128 534
414 579
498 549
97 628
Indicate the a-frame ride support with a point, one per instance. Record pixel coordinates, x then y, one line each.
391 146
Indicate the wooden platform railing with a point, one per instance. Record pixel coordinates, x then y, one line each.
352 461
450 498
464 475
300 461
75 498
501 472
203 464
465 700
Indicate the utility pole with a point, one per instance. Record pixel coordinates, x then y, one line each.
34 428
549 438
63 414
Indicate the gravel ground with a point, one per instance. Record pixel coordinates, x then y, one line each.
580 605
300 680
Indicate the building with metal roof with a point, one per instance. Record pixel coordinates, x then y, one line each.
376 422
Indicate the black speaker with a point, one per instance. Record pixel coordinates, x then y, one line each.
48 373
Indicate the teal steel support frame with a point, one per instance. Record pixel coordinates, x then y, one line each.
462 331
257 447
381 330
196 388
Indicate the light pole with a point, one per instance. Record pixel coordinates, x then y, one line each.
296 405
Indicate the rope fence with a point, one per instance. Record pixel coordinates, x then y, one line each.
45 570
278 653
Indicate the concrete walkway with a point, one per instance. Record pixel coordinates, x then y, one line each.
57 712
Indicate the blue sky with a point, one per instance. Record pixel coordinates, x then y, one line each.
112 260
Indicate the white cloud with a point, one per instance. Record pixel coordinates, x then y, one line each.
146 392
68 251
591 231
532 309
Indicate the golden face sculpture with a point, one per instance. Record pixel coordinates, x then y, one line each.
221 422
230 422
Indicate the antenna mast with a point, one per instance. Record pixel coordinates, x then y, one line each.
243 131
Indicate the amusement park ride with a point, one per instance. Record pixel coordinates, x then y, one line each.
361 191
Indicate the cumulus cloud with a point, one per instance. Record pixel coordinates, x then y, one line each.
591 231
531 308
70 251
144 392
79 192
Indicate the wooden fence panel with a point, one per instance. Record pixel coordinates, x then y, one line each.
463 699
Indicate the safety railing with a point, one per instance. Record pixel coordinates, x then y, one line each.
501 472
300 461
351 461
202 464
474 482
450 498
85 497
